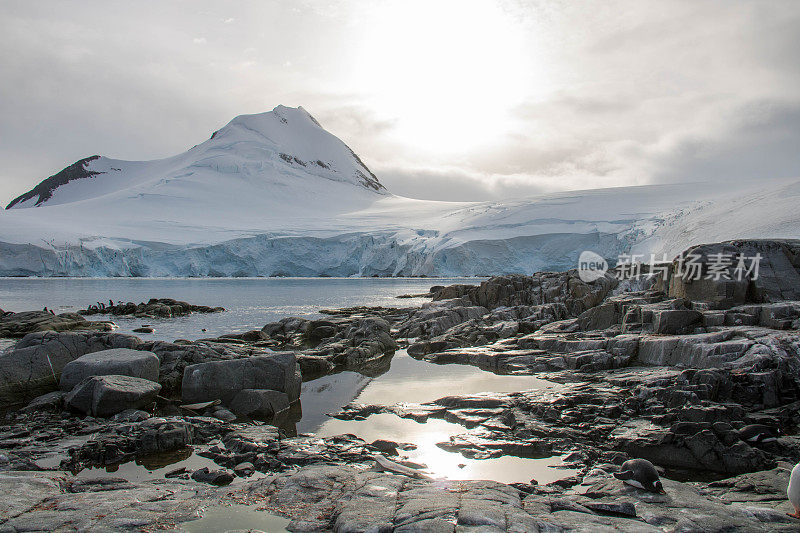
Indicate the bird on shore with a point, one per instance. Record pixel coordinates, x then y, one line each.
793 491
759 434
640 473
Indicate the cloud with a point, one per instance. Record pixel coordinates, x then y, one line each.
613 93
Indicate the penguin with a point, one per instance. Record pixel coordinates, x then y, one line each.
111 303
640 473
793 491
45 309
759 434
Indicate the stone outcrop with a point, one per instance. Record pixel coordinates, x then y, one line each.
20 324
34 365
500 307
538 289
354 342
154 308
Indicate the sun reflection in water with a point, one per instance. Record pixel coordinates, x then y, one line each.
442 463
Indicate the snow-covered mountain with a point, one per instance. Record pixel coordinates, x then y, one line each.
276 194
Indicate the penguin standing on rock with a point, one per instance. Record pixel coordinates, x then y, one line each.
641 473
793 491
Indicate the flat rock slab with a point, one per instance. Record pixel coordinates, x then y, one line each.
55 501
344 498
117 361
109 395
20 324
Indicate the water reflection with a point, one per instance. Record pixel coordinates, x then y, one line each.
407 380
236 518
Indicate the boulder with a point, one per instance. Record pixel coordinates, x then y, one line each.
259 403
117 361
33 366
223 380
108 395
163 436
712 273
214 477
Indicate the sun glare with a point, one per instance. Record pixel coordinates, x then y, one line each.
447 72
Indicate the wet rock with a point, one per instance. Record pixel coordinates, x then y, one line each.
43 502
385 446
259 403
118 361
108 395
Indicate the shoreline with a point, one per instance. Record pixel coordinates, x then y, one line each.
676 376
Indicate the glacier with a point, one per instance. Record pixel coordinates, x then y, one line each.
275 194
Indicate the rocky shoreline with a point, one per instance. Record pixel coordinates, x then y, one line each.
673 370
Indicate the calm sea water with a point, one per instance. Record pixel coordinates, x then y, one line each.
250 302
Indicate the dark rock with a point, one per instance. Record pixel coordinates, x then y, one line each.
225 379
33 366
109 395
213 477
154 308
20 324
777 280
259 403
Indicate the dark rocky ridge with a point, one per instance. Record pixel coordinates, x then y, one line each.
153 308
44 190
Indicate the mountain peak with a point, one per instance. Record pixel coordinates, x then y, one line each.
284 146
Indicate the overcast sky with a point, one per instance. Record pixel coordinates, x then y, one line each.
442 99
